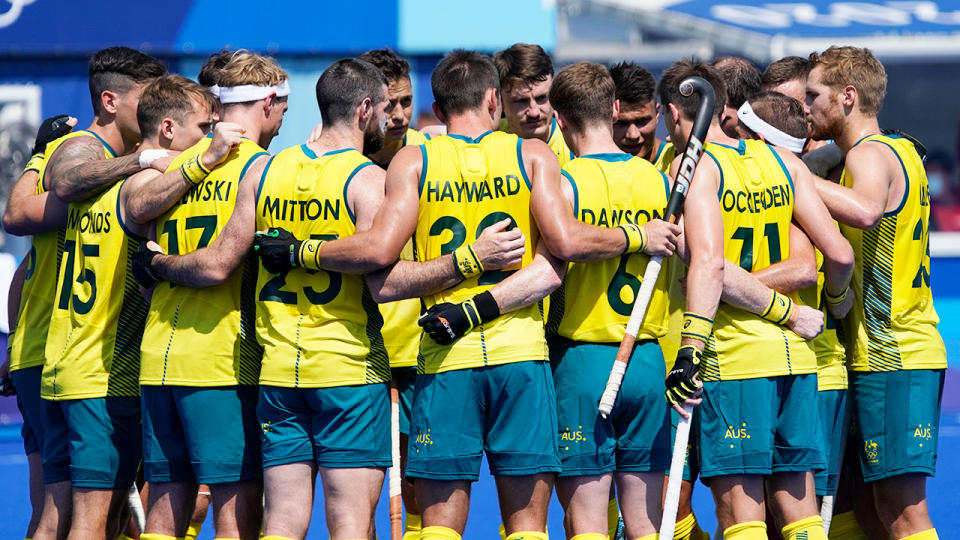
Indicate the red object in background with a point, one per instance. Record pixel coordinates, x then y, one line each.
946 218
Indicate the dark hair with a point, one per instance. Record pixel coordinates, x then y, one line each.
784 70
669 87
782 112
344 85
391 64
210 72
633 83
583 93
522 62
170 96
741 78
461 79
118 69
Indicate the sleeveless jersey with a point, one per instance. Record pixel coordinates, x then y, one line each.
318 329
756 200
203 337
93 347
466 185
893 325
29 339
596 298
666 152
674 269
414 138
401 334
828 346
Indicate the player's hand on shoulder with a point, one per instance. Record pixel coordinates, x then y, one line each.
52 129
278 249
662 237
226 135
683 382
500 246
142 266
806 321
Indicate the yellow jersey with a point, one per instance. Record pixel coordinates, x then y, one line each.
28 341
466 185
98 318
203 337
554 140
674 269
415 138
893 325
318 328
666 152
828 346
596 298
756 200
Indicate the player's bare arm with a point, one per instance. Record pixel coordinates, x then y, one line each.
77 169
149 197
531 283
871 192
703 231
798 271
29 213
212 265
141 178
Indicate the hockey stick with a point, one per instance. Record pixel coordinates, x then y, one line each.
396 504
136 508
691 156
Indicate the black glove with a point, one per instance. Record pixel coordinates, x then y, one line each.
279 250
823 160
447 322
682 382
142 267
50 130
6 387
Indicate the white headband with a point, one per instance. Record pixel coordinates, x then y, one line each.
249 92
773 135
215 90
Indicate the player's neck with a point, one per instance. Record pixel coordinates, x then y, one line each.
337 137
856 128
469 124
715 134
250 119
649 152
592 139
108 130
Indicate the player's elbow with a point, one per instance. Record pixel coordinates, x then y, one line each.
66 192
13 223
563 249
138 213
867 218
806 275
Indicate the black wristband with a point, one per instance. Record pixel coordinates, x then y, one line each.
487 307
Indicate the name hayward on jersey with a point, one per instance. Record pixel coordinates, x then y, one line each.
203 337
596 298
466 185
28 342
893 325
93 347
828 346
756 200
318 329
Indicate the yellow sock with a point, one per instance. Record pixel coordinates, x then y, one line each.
590 536
193 530
751 530
438 533
810 528
653 536
613 517
845 527
151 536
528 535
929 534
411 527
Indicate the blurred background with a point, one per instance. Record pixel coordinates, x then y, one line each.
45 46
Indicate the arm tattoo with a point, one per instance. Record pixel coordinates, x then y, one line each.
78 170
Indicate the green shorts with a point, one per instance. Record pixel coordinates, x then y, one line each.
206 435
636 436
834 428
94 443
337 427
897 417
405 377
760 426
691 464
27 383
509 411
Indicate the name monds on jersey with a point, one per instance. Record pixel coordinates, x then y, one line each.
756 201
613 218
294 210
458 192
98 222
209 190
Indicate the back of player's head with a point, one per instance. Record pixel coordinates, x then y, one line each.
669 87
583 93
391 64
633 83
245 68
344 85
856 67
522 63
171 96
784 70
461 80
782 112
210 72
118 69
741 78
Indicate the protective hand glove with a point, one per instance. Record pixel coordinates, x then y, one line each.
682 382
279 250
6 387
447 322
142 266
50 130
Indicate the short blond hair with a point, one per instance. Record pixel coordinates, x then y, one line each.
856 67
245 67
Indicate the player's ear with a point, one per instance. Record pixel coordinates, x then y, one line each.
616 109
166 129
672 114
561 120
848 96
109 101
365 111
656 108
438 113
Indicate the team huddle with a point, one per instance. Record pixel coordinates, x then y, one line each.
231 323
